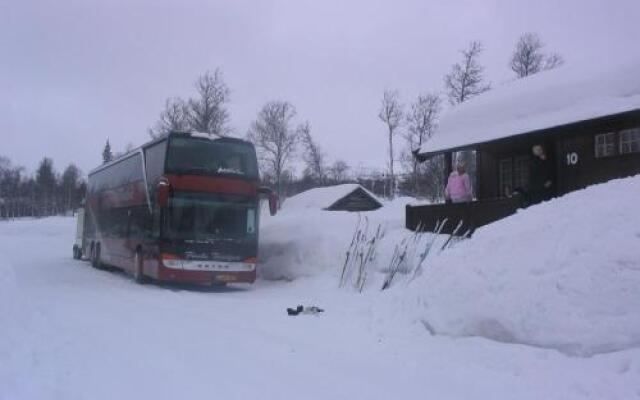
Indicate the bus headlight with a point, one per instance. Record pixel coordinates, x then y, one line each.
171 261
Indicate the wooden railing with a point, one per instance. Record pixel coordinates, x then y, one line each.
473 214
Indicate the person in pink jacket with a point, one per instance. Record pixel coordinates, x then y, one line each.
458 188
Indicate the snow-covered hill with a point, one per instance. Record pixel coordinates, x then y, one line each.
564 274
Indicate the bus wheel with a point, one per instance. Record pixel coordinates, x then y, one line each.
138 273
75 252
95 257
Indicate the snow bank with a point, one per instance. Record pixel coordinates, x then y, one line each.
299 244
564 274
303 240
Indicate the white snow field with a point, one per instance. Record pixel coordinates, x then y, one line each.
556 285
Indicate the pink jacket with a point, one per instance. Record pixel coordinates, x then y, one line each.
458 187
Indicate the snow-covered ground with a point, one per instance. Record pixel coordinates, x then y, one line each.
550 276
564 274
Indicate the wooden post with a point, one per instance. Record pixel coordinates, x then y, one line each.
448 165
479 171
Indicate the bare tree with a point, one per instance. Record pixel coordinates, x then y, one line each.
11 182
465 81
275 138
313 155
391 113
553 60
174 117
421 123
338 171
127 149
529 58
207 112
466 78
69 183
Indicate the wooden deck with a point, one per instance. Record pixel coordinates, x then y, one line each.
472 215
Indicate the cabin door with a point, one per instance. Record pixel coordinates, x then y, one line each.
572 159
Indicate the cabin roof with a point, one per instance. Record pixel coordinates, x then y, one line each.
325 197
549 99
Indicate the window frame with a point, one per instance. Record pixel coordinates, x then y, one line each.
633 139
505 175
513 173
604 149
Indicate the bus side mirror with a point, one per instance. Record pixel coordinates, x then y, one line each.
272 197
162 193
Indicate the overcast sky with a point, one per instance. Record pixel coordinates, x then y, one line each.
74 73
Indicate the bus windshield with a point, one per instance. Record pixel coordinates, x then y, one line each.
199 156
204 217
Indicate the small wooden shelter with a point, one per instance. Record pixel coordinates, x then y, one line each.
346 197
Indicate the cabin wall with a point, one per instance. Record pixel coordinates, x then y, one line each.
487 176
572 150
578 166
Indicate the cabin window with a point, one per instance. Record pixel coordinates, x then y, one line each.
513 174
630 141
520 172
606 144
506 176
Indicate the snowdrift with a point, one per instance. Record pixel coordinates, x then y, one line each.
303 240
564 274
298 244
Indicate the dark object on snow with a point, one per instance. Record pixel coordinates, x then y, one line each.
295 311
357 200
541 180
304 310
474 214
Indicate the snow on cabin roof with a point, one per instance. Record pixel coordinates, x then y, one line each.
324 197
545 100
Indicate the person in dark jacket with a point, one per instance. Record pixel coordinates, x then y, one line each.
542 176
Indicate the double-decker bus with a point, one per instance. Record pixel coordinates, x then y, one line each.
183 208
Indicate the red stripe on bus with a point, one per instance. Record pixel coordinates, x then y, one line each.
212 184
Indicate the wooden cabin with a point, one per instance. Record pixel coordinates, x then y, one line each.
345 197
587 121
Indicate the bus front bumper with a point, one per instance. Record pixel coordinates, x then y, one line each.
206 271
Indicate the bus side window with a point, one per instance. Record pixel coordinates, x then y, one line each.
128 229
155 222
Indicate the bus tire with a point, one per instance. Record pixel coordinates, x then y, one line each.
95 257
138 273
75 252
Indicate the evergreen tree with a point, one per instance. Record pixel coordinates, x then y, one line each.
45 187
107 155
